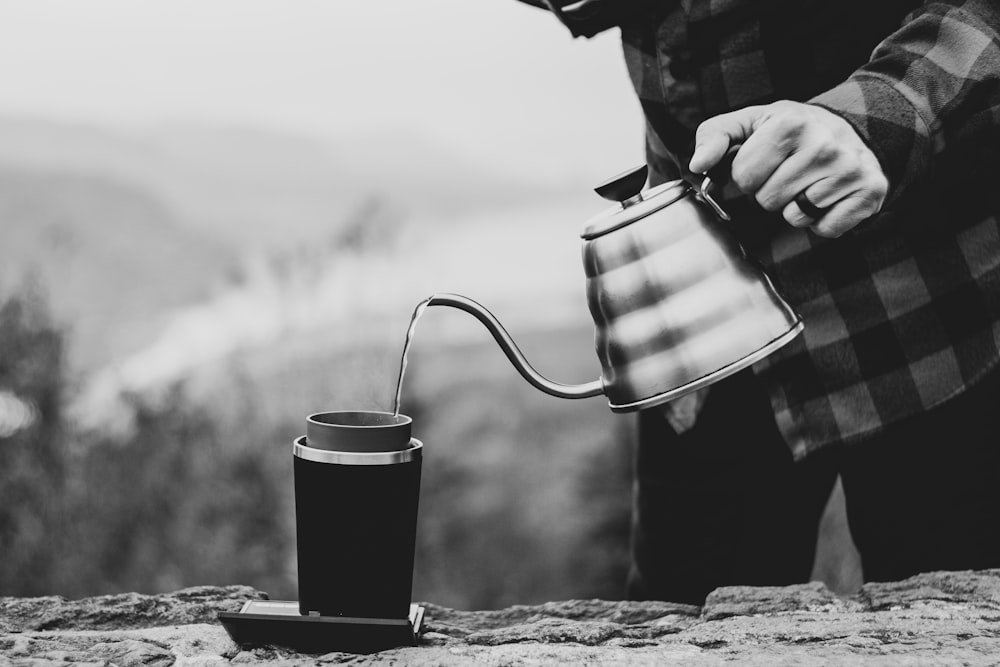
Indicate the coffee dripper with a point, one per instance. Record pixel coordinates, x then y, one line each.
677 304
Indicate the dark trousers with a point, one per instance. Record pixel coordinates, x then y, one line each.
725 504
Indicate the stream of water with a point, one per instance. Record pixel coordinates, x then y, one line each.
417 312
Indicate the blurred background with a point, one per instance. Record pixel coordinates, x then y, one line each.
216 217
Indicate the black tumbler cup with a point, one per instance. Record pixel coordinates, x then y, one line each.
356 514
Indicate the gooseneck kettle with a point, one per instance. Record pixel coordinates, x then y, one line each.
676 302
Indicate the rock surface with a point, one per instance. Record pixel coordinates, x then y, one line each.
932 619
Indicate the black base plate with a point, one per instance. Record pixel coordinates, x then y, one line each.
279 623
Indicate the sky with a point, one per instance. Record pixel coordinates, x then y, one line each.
494 79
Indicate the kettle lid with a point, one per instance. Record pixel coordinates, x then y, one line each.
633 203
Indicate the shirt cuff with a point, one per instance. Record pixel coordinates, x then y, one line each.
888 123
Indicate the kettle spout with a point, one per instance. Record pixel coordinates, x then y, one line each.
506 343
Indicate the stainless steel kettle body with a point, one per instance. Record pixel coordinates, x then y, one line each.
676 303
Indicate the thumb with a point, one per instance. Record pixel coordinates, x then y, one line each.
715 135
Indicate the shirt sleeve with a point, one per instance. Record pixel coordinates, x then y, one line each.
926 87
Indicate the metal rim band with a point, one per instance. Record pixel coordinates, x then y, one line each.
304 451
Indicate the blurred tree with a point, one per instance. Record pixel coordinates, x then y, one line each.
603 490
180 501
179 504
31 445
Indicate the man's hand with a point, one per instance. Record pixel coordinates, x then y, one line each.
788 149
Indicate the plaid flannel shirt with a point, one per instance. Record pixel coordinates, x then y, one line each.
902 312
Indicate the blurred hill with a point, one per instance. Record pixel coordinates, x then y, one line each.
126 229
258 188
112 258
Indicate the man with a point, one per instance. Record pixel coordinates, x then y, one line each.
868 153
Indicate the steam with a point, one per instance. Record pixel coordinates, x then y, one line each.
265 310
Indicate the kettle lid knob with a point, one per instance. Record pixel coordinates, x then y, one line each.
625 185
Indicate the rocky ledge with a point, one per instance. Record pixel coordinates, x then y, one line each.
933 619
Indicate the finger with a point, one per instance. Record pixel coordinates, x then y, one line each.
844 215
715 135
794 216
795 174
709 153
759 157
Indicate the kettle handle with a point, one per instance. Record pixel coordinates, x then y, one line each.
718 175
506 343
704 195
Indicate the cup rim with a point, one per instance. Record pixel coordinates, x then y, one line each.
401 419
